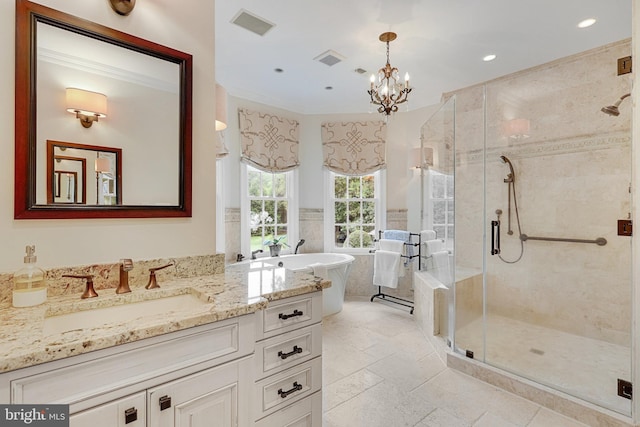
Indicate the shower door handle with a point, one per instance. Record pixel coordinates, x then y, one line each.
495 237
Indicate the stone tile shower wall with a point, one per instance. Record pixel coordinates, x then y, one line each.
572 179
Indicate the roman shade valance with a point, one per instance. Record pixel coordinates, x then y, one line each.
354 148
270 143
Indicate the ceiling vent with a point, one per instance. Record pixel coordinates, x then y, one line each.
329 58
252 22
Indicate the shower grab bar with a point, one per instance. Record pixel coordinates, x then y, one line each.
600 241
495 237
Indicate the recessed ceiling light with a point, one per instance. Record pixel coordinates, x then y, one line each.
586 23
489 58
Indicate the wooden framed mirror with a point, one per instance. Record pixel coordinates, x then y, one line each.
146 91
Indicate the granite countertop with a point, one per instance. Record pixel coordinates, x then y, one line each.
25 338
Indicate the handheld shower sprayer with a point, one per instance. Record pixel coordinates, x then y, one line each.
510 180
613 110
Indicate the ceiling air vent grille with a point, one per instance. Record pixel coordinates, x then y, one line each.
329 58
252 22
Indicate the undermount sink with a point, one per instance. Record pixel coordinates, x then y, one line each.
120 314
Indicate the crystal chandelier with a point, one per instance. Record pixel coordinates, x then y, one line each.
389 92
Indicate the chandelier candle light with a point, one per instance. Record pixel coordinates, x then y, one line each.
389 92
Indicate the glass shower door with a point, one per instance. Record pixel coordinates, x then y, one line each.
557 279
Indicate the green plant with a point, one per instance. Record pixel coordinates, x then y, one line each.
275 241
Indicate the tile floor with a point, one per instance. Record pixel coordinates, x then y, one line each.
378 370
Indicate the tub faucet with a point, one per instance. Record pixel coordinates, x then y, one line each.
126 265
257 251
300 243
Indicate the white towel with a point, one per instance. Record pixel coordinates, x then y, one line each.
391 245
386 266
427 235
320 270
433 246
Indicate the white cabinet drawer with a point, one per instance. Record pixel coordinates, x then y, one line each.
289 314
305 413
81 381
288 349
281 389
129 411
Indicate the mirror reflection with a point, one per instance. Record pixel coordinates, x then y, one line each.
115 97
92 86
76 165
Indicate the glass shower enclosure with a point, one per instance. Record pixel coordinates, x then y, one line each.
540 283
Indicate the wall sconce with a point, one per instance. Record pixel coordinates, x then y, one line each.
421 158
517 129
88 106
122 7
221 108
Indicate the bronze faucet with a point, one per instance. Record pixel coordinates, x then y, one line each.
126 265
153 282
89 292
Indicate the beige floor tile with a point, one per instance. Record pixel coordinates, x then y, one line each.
378 370
348 387
441 418
407 373
491 420
547 418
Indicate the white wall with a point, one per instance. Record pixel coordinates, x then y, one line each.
187 26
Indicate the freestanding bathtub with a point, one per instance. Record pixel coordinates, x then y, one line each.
336 266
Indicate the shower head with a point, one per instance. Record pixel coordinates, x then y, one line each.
612 110
512 175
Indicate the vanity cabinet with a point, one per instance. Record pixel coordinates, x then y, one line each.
184 378
288 363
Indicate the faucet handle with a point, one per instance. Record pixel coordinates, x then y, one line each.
89 292
153 282
126 264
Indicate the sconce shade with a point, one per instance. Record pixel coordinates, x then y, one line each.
86 105
221 108
421 157
517 128
103 165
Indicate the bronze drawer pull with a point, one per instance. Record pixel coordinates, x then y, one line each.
295 388
165 402
294 314
130 415
295 350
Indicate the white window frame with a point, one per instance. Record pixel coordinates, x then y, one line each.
380 184
245 209
448 198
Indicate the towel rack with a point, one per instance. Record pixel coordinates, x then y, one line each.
390 298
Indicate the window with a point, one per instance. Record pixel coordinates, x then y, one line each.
440 206
269 209
354 211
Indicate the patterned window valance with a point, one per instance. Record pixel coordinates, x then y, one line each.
270 143
354 148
